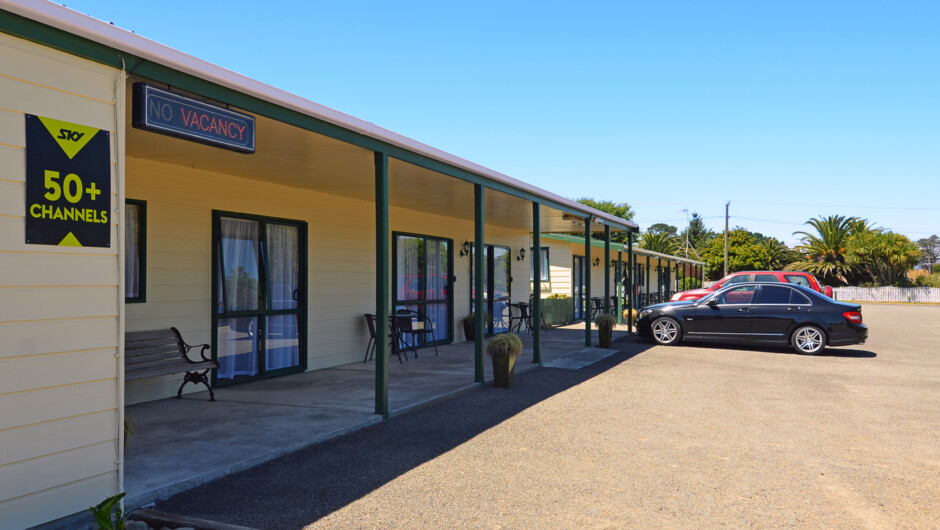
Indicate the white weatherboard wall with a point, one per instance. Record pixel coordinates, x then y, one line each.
340 251
59 309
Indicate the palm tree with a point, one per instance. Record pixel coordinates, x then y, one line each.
884 256
777 254
824 251
661 242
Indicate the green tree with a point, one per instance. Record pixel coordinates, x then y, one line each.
776 254
823 252
698 235
658 242
745 252
884 257
662 228
619 209
930 246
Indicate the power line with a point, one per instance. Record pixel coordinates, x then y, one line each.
841 206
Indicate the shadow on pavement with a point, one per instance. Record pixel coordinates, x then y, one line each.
300 488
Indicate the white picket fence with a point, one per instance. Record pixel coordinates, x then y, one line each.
887 294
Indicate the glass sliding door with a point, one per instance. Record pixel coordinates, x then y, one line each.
578 287
258 288
496 284
422 272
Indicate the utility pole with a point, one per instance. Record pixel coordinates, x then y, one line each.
727 204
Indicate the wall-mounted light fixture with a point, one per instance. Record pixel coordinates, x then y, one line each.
613 264
465 248
520 255
597 261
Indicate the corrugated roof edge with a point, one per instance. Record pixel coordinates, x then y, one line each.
66 19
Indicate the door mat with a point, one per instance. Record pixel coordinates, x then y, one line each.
580 358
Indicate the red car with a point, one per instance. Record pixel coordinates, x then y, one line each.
800 278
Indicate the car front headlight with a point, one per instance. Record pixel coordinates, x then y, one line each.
645 313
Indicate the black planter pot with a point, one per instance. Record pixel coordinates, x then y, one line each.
603 337
469 329
504 368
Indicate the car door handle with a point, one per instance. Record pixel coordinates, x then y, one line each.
742 310
793 309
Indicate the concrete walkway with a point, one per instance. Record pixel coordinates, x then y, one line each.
180 444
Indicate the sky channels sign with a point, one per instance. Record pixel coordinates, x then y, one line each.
68 184
190 119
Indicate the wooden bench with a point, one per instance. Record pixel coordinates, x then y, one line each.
163 352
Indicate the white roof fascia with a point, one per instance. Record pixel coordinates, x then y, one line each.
72 21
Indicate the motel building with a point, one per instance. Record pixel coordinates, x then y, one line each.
568 268
142 189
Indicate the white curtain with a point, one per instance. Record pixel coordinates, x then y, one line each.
240 264
132 251
283 268
238 337
410 251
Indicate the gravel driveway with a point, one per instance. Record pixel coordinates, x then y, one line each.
687 436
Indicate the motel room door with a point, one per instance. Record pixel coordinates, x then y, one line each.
423 268
258 285
578 287
496 285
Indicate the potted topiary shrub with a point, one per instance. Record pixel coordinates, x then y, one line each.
605 329
469 330
469 325
503 350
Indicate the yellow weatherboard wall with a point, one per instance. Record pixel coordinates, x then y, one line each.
340 249
59 308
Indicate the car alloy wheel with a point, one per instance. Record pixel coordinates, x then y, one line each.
809 340
665 331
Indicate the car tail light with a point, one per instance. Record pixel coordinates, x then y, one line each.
853 316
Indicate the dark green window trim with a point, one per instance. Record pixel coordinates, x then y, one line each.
302 312
142 254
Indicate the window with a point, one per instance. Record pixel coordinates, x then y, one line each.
422 270
767 278
741 278
739 295
543 272
773 294
797 298
798 279
259 285
135 251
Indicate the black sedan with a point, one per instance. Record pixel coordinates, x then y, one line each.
757 313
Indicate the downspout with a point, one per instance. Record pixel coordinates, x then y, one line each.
119 109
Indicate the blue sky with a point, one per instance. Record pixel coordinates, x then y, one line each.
790 110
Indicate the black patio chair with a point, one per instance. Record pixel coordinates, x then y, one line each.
405 319
597 307
393 343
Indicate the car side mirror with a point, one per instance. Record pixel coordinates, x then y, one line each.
712 302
